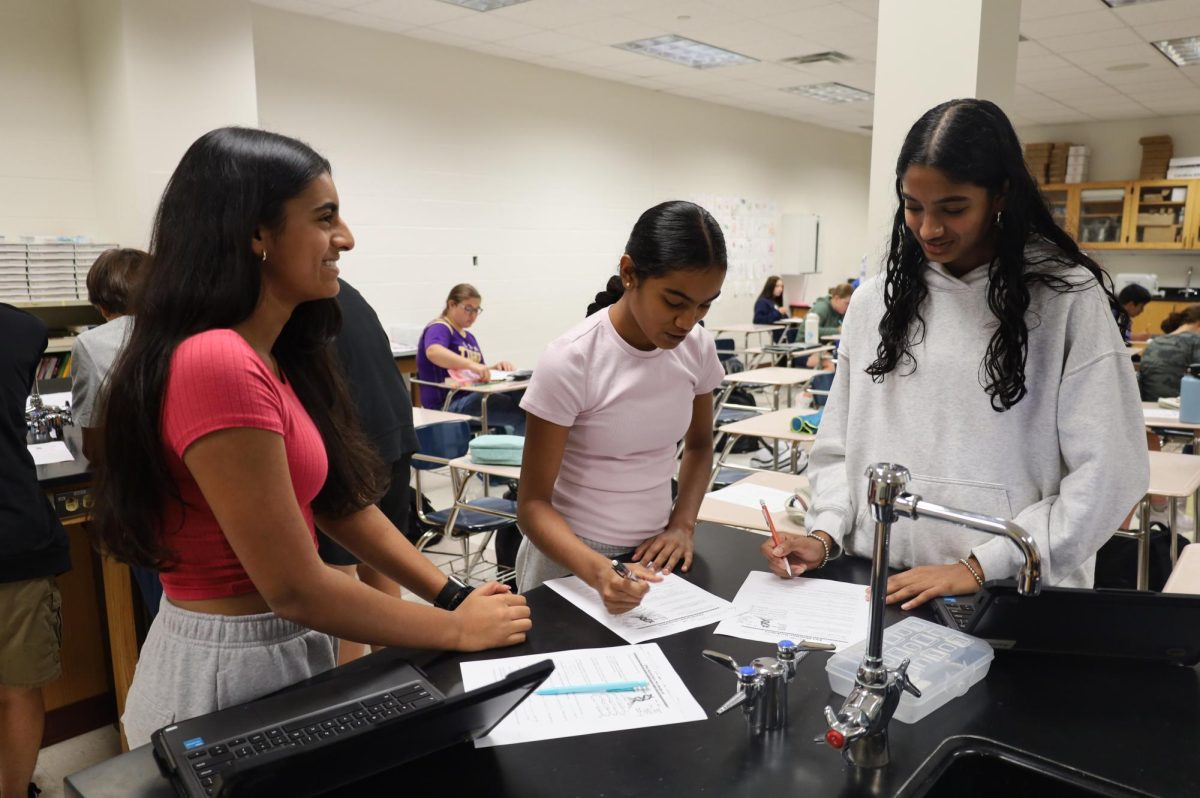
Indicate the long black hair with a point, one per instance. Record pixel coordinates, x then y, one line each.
204 276
669 237
972 141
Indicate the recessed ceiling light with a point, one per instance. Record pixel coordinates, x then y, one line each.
1122 3
484 5
1133 67
831 92
1181 52
689 52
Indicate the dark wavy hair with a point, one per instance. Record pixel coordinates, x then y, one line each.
1173 321
669 237
972 141
204 276
768 291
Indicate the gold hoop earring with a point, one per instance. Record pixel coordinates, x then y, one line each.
264 256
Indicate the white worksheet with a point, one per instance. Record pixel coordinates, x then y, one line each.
52 452
672 605
1161 414
546 717
744 495
768 608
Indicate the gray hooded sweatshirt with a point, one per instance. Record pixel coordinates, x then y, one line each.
1067 463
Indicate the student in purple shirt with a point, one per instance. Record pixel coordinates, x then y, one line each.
446 344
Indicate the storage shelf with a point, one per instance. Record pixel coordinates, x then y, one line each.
54 303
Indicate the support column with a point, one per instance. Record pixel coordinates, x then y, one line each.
158 76
931 51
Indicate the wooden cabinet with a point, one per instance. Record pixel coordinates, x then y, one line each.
1128 215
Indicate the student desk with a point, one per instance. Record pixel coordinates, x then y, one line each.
746 330
461 471
488 389
761 354
718 512
1165 418
1093 718
776 425
425 417
777 378
832 337
1176 476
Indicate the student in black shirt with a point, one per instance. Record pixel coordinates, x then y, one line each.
385 411
33 550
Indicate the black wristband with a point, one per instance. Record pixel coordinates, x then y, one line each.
453 594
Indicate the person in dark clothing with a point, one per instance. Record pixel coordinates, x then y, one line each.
1132 301
33 550
385 412
1167 357
768 308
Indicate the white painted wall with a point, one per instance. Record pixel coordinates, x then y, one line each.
440 154
1116 155
45 152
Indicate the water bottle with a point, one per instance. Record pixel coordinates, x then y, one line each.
1189 396
812 328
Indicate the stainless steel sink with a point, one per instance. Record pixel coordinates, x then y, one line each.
981 768
1181 294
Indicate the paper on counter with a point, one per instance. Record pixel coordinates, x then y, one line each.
671 606
744 495
50 400
548 717
52 452
1163 414
768 608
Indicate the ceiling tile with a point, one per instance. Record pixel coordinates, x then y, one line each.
761 41
1156 31
810 22
1069 24
549 14
371 21
309 7
484 28
599 57
548 43
614 30
1161 11
1030 48
414 12
682 17
1040 9
442 37
754 9
1116 37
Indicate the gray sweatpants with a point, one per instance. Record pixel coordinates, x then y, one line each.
193 664
534 567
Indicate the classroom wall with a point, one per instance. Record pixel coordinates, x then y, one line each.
1116 155
441 155
46 160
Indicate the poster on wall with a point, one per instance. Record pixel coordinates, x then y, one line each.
749 225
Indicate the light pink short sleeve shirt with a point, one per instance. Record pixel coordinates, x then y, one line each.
627 410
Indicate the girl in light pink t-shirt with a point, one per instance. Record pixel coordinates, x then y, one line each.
608 404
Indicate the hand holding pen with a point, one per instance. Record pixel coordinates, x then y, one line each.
622 585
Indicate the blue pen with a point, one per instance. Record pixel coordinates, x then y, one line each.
607 687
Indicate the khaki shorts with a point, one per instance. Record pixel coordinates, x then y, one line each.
30 632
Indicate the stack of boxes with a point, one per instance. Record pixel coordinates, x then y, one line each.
1156 156
1077 164
1057 171
1037 158
45 269
1184 168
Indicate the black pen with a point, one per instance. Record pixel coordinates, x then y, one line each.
624 572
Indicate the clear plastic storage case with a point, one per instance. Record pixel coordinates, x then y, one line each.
944 664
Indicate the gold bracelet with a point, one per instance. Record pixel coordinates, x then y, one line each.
971 568
824 545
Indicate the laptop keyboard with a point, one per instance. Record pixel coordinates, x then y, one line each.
309 731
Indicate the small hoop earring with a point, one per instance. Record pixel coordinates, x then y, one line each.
999 219
264 257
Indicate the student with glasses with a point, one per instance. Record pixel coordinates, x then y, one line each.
446 343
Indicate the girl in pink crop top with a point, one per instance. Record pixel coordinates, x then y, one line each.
227 431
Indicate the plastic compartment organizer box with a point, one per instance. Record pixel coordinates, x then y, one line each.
944 664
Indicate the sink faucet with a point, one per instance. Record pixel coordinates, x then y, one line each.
860 727
1187 286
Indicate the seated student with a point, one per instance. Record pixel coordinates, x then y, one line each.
831 309
986 361
608 403
768 308
446 344
33 550
228 431
1167 357
1131 302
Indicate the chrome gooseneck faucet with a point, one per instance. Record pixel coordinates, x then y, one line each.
860 727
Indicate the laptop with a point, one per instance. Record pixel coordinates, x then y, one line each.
334 730
1131 624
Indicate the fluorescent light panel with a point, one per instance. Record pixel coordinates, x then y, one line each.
1182 52
689 52
831 92
484 5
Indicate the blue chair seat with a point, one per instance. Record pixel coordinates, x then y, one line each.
728 415
728 476
470 522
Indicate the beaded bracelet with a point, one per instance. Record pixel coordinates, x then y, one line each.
825 546
971 568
